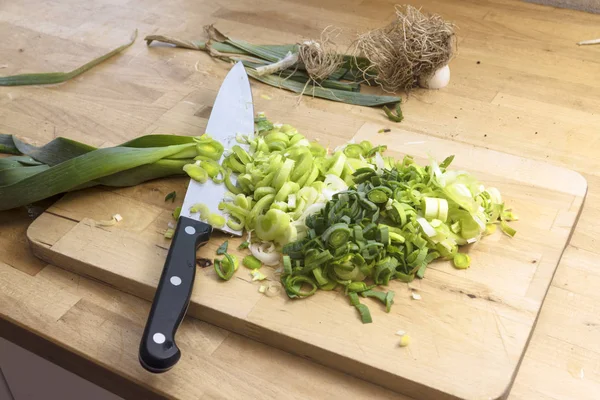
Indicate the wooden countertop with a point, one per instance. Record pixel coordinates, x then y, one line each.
519 84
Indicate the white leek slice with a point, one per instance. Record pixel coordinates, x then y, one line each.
266 253
426 226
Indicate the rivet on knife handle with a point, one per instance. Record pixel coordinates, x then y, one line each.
158 350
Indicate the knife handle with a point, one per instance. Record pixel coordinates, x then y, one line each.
158 351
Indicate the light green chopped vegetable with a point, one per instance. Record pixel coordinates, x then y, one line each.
216 220
398 117
196 172
244 245
226 267
272 225
251 262
507 229
177 213
258 276
208 147
200 208
169 233
490 229
462 261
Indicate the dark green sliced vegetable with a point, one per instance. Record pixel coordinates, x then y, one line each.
225 267
365 314
243 245
374 293
398 117
171 196
223 248
293 286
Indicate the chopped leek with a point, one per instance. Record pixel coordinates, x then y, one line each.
258 276
177 212
507 229
171 196
196 172
352 219
225 267
404 340
223 248
251 262
216 220
398 117
365 314
462 261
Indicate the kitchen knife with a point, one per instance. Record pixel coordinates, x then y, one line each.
232 113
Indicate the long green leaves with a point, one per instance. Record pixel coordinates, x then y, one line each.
58 77
343 96
65 165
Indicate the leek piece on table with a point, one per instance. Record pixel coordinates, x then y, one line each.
251 262
171 196
223 248
58 77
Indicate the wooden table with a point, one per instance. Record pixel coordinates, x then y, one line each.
519 84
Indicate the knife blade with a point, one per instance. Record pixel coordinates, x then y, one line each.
232 113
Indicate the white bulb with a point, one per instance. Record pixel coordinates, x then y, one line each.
438 80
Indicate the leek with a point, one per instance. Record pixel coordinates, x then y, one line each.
226 266
278 66
223 248
59 77
251 262
171 196
64 165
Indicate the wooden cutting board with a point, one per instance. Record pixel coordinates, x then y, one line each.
468 331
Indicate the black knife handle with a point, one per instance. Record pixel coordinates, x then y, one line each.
158 351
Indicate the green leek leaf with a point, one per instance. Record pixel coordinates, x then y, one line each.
58 77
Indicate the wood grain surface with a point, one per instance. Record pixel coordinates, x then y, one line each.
519 85
477 321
